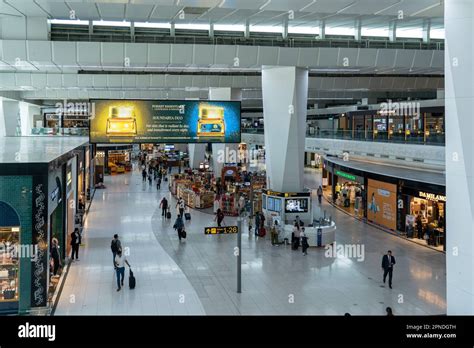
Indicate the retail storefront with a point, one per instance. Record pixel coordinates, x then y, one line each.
32 212
411 208
312 160
345 188
423 213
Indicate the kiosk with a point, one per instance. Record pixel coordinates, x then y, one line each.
287 205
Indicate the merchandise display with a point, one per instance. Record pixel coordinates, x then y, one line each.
9 242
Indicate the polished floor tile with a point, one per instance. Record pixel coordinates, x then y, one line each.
198 276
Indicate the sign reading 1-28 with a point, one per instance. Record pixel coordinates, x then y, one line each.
221 230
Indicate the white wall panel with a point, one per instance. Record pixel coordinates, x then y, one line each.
158 54
88 53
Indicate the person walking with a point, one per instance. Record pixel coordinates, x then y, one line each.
180 206
257 222
158 184
179 226
150 179
164 206
219 217
387 264
389 312
274 233
120 261
55 256
144 175
320 194
295 243
304 241
75 242
115 246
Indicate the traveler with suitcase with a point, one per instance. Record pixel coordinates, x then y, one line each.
120 261
179 226
164 206
115 245
180 205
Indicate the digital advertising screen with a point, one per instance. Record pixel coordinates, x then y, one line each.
165 121
297 205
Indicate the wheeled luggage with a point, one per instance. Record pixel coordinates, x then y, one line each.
262 232
187 216
168 215
183 234
131 280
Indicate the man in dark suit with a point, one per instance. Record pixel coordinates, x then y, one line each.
387 264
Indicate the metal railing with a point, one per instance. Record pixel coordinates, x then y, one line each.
412 137
70 35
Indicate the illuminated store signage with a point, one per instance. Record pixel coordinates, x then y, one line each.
345 175
432 196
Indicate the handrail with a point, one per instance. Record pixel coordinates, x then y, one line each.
292 41
414 138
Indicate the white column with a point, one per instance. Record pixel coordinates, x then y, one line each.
459 102
10 115
426 30
392 31
197 153
285 96
221 153
322 29
357 30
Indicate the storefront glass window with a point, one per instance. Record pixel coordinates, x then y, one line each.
434 130
358 127
396 132
380 128
414 129
9 246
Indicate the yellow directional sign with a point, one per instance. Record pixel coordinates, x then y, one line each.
221 230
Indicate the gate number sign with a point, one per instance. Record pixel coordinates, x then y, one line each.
221 230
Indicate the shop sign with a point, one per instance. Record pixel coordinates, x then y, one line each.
432 196
346 175
221 230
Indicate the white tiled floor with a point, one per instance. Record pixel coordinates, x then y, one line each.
204 269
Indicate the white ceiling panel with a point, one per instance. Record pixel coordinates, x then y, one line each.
112 12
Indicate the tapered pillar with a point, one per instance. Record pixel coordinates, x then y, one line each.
197 154
285 96
222 153
459 102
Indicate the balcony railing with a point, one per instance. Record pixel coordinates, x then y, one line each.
407 137
64 33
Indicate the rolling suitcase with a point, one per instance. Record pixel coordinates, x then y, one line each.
262 232
187 216
131 280
168 214
183 234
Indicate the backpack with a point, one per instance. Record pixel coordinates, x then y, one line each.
114 246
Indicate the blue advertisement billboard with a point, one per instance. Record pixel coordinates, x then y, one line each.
165 121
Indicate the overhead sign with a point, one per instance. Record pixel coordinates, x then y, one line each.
221 230
432 197
345 175
165 121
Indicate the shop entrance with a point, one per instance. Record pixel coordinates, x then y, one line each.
349 193
425 222
9 245
56 227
